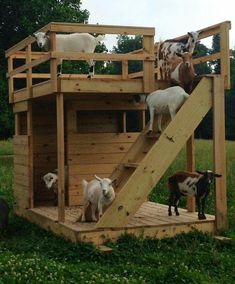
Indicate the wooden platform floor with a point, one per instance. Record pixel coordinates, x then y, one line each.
151 220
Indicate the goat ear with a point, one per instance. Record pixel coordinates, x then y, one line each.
98 178
178 54
114 181
189 34
217 175
34 35
200 172
47 33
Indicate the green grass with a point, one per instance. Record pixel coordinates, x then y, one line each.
29 254
6 147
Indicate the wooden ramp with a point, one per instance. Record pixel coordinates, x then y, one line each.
150 220
148 158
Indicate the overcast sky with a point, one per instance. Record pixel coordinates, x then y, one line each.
170 18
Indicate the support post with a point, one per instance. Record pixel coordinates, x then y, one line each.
219 153
10 80
30 159
148 74
60 156
53 62
29 71
190 152
224 54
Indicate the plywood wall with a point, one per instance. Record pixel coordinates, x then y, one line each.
44 147
21 171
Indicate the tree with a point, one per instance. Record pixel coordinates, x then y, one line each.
18 19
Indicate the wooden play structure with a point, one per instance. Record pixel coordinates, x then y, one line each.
83 123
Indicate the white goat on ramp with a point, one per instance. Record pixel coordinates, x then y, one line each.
166 101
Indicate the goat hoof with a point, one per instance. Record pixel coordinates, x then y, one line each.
169 214
149 132
177 213
89 76
201 217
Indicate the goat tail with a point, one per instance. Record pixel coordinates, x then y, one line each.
100 38
84 185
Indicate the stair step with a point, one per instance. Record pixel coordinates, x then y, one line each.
153 135
131 165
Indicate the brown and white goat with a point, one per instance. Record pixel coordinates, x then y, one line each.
168 49
182 71
185 183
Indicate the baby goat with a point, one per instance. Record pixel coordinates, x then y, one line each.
166 101
190 184
4 212
98 193
75 42
51 181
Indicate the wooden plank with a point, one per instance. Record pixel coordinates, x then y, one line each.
148 67
151 169
20 140
20 95
86 138
91 169
225 54
102 56
219 154
30 146
29 80
20 107
10 80
53 62
103 29
42 89
102 86
94 148
60 156
95 158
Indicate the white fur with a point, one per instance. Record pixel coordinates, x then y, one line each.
75 42
166 101
98 193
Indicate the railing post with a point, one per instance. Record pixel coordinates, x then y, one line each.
29 71
219 153
10 80
53 62
225 54
60 156
148 74
125 69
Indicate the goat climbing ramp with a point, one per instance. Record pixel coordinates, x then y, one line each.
146 174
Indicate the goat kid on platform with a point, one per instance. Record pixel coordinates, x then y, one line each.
185 183
98 193
169 48
75 42
167 101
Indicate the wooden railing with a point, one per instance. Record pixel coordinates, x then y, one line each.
32 59
23 50
224 55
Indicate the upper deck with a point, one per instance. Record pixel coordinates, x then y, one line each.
26 82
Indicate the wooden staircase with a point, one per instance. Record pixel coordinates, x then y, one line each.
149 157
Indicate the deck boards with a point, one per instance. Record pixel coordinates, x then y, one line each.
150 214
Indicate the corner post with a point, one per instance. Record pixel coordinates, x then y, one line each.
53 62
219 153
60 156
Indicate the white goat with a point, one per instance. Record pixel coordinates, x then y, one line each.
98 193
164 102
75 42
51 181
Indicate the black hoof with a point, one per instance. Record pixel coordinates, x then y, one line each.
201 217
169 214
177 213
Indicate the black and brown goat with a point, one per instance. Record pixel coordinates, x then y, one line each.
185 183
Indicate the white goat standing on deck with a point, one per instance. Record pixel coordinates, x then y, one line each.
166 101
75 42
98 193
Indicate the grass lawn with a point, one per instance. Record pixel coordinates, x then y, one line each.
29 254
